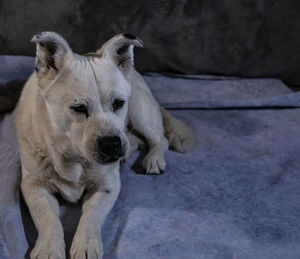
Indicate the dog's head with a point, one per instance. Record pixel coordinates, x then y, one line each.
86 97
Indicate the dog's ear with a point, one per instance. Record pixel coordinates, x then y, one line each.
120 50
51 53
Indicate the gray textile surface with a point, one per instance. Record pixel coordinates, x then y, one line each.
252 38
235 196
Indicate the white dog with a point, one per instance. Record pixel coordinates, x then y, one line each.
72 123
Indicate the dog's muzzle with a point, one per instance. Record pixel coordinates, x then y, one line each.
110 149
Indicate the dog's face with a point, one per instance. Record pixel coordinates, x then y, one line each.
86 97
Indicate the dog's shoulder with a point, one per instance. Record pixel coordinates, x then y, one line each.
31 142
26 105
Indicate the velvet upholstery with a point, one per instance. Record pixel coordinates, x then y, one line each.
249 38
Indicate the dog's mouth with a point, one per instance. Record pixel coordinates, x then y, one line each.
106 160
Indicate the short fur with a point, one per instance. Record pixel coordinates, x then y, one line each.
64 114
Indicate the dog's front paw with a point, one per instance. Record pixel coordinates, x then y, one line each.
86 246
49 247
154 162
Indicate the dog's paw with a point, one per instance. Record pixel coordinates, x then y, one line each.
154 162
49 247
84 246
183 144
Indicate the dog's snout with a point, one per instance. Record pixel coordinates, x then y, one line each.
111 146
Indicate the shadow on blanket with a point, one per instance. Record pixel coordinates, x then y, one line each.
10 94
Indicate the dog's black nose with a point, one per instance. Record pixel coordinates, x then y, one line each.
111 146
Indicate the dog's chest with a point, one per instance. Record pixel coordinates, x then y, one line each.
69 183
69 191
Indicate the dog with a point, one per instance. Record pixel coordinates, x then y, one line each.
74 124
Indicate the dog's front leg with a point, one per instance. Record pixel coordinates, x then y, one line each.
44 211
97 203
145 116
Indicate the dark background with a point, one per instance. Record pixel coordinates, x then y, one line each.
248 38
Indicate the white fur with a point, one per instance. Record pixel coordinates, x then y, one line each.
60 150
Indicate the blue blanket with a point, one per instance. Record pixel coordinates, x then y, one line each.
236 195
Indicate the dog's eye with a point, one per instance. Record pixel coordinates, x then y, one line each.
118 104
80 109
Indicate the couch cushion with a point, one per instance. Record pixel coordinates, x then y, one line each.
253 38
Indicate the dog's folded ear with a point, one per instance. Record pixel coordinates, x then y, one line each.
120 50
51 53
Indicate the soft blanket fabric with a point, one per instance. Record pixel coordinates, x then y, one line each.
235 196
